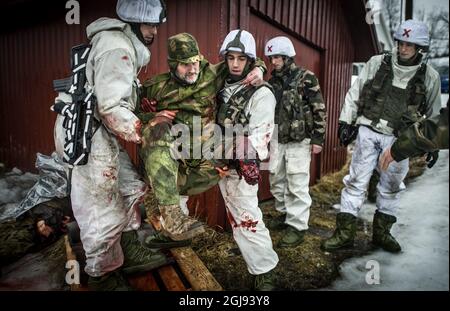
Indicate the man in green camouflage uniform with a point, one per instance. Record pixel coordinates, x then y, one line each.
427 136
301 116
185 98
35 229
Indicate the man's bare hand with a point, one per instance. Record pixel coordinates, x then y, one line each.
316 149
255 77
385 159
223 171
164 116
148 105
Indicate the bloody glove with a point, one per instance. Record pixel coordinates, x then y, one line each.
432 157
249 169
148 105
347 133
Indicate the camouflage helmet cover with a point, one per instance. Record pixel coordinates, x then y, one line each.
183 48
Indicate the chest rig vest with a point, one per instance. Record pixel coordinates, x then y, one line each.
292 113
379 99
232 112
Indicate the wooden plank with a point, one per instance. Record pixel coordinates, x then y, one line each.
195 270
192 267
144 282
171 279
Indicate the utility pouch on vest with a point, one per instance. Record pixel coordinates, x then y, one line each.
233 111
309 121
79 114
297 130
381 100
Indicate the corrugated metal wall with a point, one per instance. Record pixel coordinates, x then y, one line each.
323 29
32 54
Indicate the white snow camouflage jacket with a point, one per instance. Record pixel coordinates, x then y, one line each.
112 68
402 74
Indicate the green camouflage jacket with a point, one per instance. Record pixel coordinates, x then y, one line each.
300 110
424 136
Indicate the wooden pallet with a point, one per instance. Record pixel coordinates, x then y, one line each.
186 273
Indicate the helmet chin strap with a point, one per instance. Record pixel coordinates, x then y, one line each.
136 28
248 67
415 60
287 61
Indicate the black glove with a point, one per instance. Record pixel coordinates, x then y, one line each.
249 169
347 133
432 157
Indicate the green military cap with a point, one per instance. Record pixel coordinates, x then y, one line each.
183 48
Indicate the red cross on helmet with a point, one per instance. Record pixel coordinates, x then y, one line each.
414 32
279 46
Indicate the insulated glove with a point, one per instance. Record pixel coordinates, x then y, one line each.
249 169
432 157
347 133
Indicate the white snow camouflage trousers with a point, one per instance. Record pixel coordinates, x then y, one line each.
289 182
105 195
368 147
249 231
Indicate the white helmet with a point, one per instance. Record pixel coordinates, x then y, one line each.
239 41
414 32
142 11
279 46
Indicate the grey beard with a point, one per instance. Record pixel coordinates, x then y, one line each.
184 79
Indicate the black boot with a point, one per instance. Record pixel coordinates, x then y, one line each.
291 237
265 281
344 235
277 223
381 236
158 240
112 281
138 258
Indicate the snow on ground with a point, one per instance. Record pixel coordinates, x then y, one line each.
422 229
444 99
14 186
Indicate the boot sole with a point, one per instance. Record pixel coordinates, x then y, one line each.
343 247
186 235
279 227
164 245
385 249
147 267
289 245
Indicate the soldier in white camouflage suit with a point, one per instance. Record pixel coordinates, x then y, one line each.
392 92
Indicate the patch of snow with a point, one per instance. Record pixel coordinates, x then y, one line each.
14 186
422 230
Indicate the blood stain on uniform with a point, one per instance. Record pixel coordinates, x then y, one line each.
249 225
109 174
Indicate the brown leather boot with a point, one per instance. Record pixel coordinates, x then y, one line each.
177 225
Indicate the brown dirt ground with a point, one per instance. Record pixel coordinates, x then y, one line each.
300 268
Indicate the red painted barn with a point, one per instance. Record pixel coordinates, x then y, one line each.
328 35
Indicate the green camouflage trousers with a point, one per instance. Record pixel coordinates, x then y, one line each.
169 177
17 240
